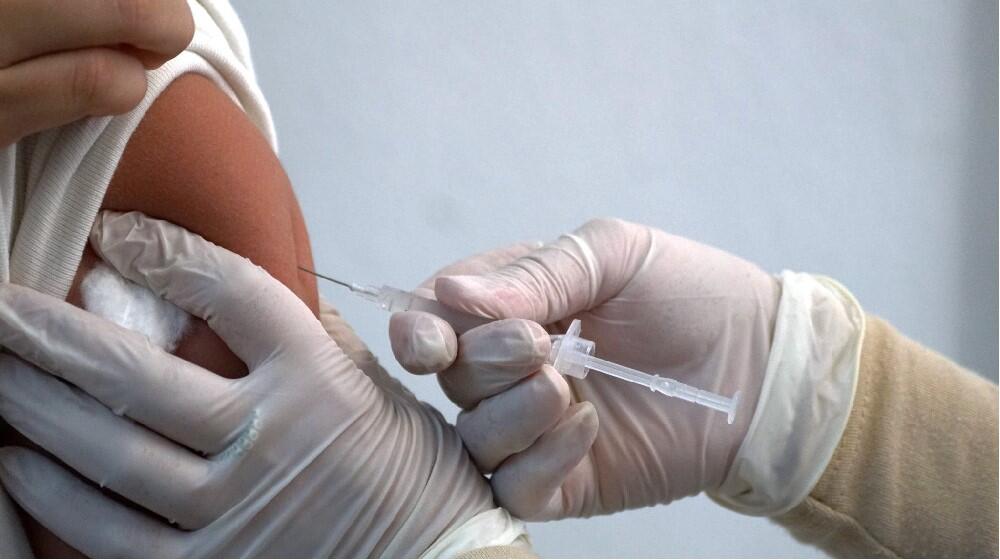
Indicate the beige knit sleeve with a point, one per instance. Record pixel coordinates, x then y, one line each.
510 551
915 473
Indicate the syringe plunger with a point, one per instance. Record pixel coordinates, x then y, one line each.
574 356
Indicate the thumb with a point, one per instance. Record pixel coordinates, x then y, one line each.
578 271
251 311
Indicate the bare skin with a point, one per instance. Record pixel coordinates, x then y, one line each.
62 61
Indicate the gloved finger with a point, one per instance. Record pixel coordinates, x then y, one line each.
576 272
529 484
56 89
108 449
122 369
510 422
79 514
251 311
162 27
357 351
480 263
422 342
494 357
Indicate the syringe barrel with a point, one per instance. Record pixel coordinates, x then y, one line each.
394 300
665 385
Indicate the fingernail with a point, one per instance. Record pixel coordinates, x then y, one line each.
429 333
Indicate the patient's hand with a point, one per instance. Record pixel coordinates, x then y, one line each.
62 61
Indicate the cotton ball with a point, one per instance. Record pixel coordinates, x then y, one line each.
109 295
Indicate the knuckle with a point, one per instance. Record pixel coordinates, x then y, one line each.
518 334
134 15
603 225
536 340
504 344
599 223
167 24
92 76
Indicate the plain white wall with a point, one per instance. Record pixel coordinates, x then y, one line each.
855 139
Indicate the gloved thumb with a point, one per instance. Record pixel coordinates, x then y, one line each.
578 271
242 303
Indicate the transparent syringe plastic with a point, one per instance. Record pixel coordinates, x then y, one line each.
570 355
574 356
395 300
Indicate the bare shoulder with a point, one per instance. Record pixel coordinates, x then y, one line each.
197 160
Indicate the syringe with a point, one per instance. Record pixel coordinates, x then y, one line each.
394 300
570 355
574 356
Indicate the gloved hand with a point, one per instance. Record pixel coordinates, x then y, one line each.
306 456
62 61
562 447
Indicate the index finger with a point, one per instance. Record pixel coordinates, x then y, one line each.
36 27
480 264
80 514
424 343
122 369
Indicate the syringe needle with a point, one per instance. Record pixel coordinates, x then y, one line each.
394 300
325 277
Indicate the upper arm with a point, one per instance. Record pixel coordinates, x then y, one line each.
196 160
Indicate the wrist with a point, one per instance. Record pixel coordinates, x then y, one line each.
804 401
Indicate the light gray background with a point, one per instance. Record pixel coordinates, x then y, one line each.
853 139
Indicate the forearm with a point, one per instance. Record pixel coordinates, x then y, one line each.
915 473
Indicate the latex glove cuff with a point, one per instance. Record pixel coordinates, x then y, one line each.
805 400
490 528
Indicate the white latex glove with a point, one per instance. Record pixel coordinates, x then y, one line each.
561 447
306 456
